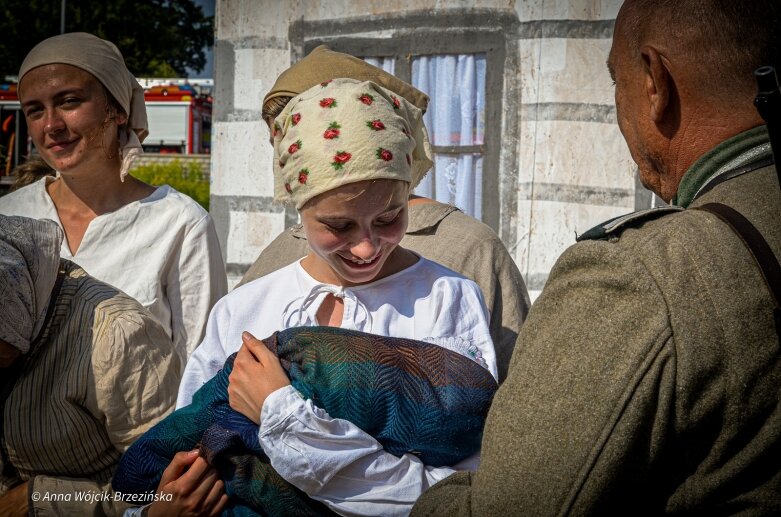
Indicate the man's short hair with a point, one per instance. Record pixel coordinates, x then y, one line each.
731 38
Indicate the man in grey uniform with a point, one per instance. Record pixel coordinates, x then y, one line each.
650 374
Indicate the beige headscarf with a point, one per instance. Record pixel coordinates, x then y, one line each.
29 261
323 64
344 131
103 60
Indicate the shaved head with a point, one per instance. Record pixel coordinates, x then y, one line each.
723 41
684 76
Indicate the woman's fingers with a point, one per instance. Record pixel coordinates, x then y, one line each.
256 346
179 464
205 485
256 373
259 350
213 496
197 491
220 506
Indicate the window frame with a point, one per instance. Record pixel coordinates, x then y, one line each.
407 43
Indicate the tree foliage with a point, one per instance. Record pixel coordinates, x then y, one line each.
159 38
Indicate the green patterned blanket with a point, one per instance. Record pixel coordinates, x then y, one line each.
411 396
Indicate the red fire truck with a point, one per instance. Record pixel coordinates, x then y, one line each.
179 113
180 118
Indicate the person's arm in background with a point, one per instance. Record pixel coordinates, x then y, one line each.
472 249
135 372
510 303
194 284
285 249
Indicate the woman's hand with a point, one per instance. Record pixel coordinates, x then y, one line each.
196 492
256 374
14 502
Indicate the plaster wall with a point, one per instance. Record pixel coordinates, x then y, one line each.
565 169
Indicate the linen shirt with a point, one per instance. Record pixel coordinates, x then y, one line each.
161 250
333 460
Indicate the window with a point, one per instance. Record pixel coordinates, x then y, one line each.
456 71
456 125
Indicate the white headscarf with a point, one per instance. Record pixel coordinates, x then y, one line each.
103 60
29 261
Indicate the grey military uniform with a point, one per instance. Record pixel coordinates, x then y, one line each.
650 374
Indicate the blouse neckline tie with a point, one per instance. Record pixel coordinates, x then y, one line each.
297 313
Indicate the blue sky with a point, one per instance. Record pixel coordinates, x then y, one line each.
208 71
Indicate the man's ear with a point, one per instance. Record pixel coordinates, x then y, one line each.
658 82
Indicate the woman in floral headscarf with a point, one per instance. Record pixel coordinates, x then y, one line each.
347 154
86 116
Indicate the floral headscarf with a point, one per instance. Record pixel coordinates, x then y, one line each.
29 261
103 60
344 131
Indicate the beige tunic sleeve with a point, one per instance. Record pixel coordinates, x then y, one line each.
135 373
285 249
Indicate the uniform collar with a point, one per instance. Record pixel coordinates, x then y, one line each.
738 151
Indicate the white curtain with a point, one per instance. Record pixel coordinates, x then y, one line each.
386 63
455 118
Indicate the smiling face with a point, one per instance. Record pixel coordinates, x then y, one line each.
69 117
354 231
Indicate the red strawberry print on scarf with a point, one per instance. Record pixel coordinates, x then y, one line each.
287 187
295 146
328 102
376 125
340 158
396 102
366 99
326 83
332 131
383 154
303 176
296 118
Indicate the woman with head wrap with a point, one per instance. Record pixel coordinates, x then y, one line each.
86 116
437 231
84 371
347 154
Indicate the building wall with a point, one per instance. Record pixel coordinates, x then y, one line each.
561 163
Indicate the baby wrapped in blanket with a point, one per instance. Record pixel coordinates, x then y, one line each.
412 396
